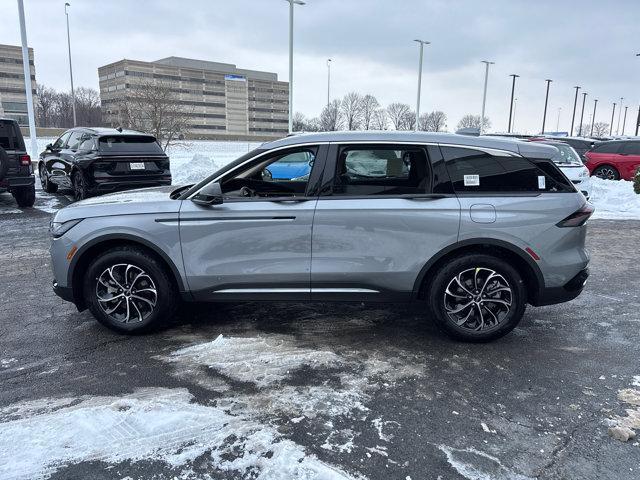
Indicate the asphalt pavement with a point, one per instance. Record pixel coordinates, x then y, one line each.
281 390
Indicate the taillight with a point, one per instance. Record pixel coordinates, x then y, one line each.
25 160
578 218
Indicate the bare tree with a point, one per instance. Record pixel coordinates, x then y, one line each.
88 112
352 110
331 117
379 120
600 129
408 121
153 107
397 114
370 105
432 121
473 121
299 122
45 105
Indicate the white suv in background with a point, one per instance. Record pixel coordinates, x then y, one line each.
571 165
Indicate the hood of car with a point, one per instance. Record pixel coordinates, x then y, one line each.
132 202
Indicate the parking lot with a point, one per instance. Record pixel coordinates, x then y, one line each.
315 391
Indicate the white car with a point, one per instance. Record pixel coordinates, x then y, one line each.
569 162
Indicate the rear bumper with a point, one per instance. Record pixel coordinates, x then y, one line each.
569 291
101 185
14 182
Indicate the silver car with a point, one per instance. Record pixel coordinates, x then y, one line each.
474 228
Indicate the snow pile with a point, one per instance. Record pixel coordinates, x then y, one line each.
152 423
624 428
614 199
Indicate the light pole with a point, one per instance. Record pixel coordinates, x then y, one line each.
613 115
584 98
546 101
328 79
515 106
619 114
27 82
573 117
558 122
73 94
513 88
624 122
593 117
638 119
291 4
422 43
484 94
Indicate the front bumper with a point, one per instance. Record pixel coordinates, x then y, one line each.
65 293
569 291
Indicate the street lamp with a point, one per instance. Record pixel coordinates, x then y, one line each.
422 43
513 88
624 122
558 122
515 106
27 81
584 98
613 115
619 113
484 95
573 117
546 101
593 117
291 4
73 94
328 79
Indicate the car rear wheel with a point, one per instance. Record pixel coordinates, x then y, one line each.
47 185
25 196
607 172
80 191
129 291
477 298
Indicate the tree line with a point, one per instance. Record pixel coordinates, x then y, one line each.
55 109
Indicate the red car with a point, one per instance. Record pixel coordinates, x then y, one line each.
614 160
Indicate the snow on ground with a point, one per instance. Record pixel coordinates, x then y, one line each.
237 433
614 200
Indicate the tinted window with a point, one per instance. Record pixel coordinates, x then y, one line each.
74 140
378 170
476 171
59 143
9 138
565 155
129 144
608 147
87 143
631 148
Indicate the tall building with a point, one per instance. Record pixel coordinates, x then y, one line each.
222 101
13 98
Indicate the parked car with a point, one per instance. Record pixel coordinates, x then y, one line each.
615 160
16 172
100 160
475 228
569 162
580 144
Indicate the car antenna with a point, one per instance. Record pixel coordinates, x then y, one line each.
119 129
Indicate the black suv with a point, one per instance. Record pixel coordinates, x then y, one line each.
98 160
16 173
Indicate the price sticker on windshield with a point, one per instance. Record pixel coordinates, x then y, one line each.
472 180
541 182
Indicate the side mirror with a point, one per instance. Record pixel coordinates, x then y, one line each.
49 147
209 195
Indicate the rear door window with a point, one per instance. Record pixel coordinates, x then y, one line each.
606 148
631 148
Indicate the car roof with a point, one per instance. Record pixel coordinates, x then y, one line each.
511 145
101 131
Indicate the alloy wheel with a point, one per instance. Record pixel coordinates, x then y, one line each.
477 299
126 293
43 178
606 173
79 190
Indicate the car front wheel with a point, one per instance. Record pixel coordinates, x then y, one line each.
477 298
47 185
129 291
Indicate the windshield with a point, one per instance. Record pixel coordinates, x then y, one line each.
129 144
566 155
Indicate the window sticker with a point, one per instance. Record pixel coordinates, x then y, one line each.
472 180
541 182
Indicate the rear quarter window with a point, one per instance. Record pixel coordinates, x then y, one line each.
475 171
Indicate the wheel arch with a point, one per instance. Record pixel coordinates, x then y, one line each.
90 250
522 262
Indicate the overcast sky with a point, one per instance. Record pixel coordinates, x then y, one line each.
587 43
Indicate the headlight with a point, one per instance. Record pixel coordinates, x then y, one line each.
584 172
57 229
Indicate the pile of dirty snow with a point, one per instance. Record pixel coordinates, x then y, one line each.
614 200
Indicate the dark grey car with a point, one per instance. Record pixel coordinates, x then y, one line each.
474 228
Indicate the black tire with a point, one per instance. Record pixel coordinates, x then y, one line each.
146 318
607 172
47 185
4 163
25 196
500 317
79 184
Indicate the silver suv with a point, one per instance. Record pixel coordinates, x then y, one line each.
473 227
